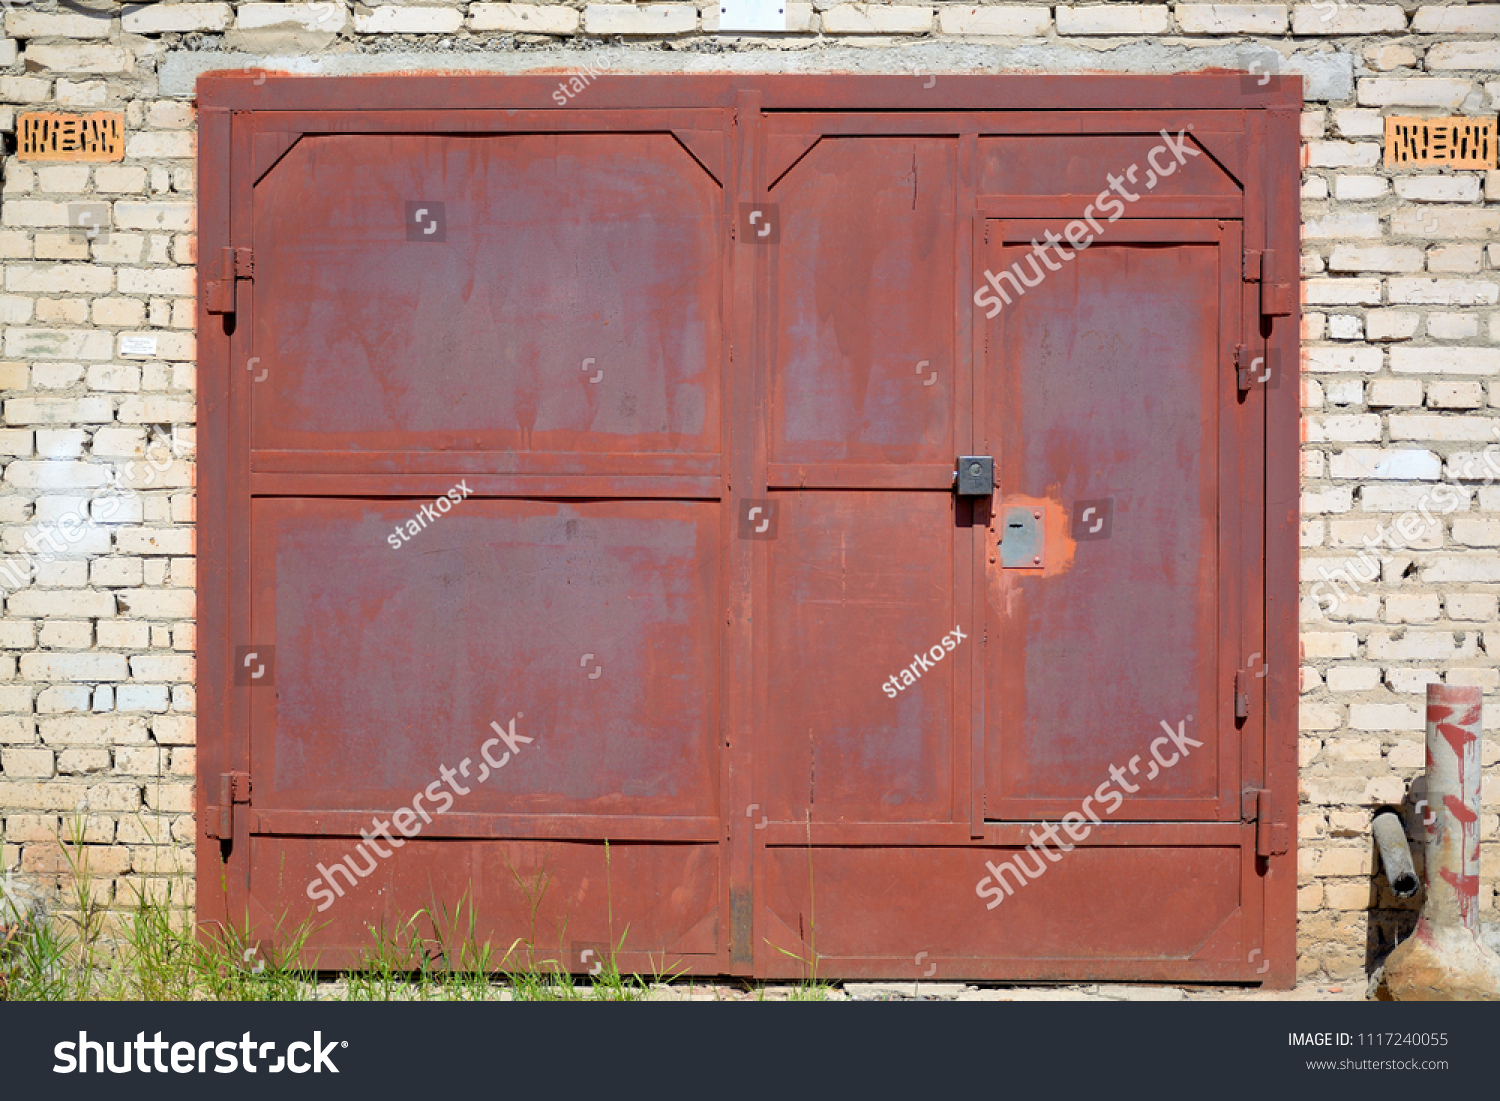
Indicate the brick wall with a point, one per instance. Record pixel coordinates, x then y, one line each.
1401 371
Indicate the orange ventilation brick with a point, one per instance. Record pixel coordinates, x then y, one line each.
1450 142
51 136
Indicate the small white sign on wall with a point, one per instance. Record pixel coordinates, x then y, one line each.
138 345
752 15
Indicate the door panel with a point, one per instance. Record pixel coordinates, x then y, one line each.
553 258
861 582
1105 394
731 721
864 369
590 623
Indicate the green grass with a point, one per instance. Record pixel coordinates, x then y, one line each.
148 947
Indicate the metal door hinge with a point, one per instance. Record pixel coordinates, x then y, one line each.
1242 367
234 264
1272 838
234 787
1276 294
1241 697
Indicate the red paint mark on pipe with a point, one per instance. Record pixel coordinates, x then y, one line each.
1457 736
1456 808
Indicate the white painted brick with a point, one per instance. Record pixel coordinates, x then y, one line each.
1328 18
1444 292
1359 188
1462 259
57 344
1341 226
1327 499
1360 678
1438 189
1453 429
1113 19
410 20
1473 465
1009 20
1342 428
1458 19
176 18
1407 532
73 667
1476 533
1386 716
1470 568
162 667
158 603
518 18
1394 464
864 19
1391 324
160 143
1345 326
1452 326
127 312
1343 154
80 59
1446 223
36 24
326 16
1344 391
82 93
1455 395
58 411
167 114
1481 56
1356 122
1376 258
56 279
1417 645
1330 644
1379 91
1231 18
1384 58
1448 361
24 89
170 281
1477 607
96 729
154 216
1343 292
1365 360
55 474
141 697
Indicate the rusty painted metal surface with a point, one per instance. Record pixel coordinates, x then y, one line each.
579 536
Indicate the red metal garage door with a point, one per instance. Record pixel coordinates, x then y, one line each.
588 475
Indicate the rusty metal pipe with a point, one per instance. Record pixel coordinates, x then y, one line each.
1444 959
1395 854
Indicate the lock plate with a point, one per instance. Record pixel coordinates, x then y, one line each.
1022 538
975 476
